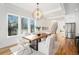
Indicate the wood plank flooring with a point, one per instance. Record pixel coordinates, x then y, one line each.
6 50
67 46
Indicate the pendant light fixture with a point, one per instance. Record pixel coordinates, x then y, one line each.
37 13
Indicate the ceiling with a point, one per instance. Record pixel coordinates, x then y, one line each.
52 9
71 7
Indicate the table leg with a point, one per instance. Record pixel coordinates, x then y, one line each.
34 44
39 40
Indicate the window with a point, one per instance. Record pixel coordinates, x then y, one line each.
32 26
12 25
21 25
24 24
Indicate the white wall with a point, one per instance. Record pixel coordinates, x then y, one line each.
3 26
4 10
77 24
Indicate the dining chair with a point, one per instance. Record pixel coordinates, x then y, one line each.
54 27
50 46
22 47
50 42
52 30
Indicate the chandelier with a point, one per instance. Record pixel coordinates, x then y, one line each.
37 13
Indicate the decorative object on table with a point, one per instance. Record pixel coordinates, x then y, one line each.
38 28
38 34
70 30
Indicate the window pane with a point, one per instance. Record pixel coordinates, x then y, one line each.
24 25
12 25
32 25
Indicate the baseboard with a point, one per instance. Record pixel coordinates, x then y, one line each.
9 46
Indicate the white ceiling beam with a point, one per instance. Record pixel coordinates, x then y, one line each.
61 16
51 11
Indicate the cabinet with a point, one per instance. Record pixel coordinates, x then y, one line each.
70 30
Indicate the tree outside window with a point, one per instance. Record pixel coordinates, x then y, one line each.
24 24
12 25
32 26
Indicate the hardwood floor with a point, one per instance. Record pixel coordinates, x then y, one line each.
6 50
67 47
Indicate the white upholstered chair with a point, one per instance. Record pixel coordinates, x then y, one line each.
50 45
54 27
22 47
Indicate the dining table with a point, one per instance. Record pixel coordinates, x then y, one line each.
34 39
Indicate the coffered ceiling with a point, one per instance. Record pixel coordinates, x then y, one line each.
50 10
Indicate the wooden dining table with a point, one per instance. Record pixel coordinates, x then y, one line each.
35 39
